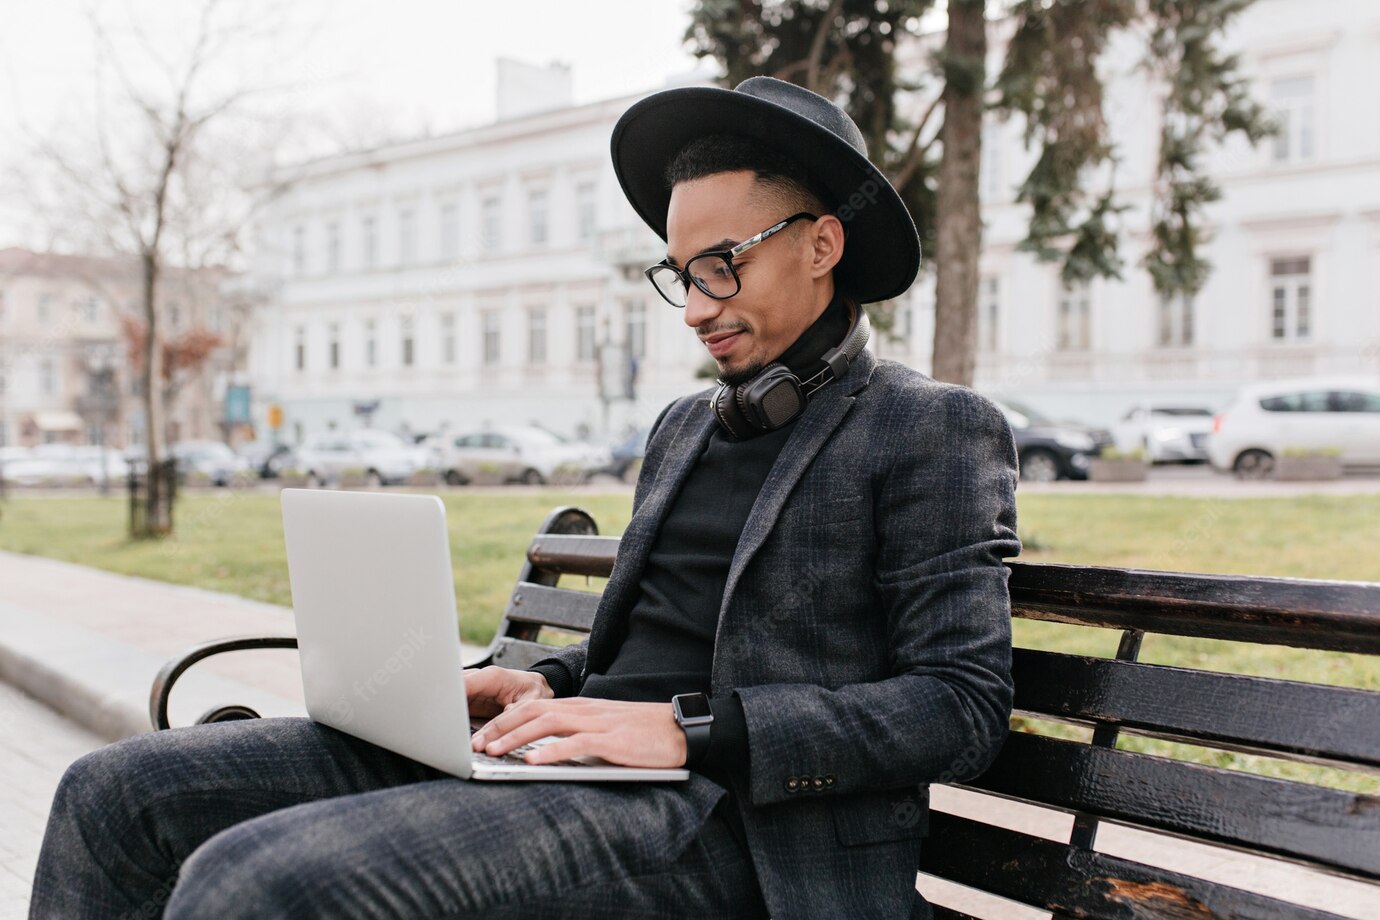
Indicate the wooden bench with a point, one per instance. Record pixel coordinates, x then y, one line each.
1327 829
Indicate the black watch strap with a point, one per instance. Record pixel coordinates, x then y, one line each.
696 743
695 718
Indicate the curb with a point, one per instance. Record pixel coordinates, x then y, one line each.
103 685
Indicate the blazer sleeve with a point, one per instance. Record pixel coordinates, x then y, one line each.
945 519
564 670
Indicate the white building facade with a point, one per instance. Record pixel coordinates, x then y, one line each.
495 275
1295 286
489 277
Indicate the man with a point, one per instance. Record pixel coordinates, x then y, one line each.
814 561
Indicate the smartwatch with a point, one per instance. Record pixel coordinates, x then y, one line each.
694 717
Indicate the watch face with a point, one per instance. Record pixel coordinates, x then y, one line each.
693 706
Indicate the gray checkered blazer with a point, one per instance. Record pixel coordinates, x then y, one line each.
865 625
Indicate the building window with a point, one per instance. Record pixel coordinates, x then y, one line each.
409 340
536 216
333 247
536 336
1075 320
450 231
1175 321
586 211
447 338
47 377
1291 299
635 327
989 313
1292 98
299 349
490 223
584 333
44 311
335 346
299 250
369 243
371 343
489 335
407 237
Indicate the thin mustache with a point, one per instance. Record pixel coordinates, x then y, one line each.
706 331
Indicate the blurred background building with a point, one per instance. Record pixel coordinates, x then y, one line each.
65 369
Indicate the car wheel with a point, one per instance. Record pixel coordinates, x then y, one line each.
1254 464
532 478
453 478
314 481
374 479
1038 465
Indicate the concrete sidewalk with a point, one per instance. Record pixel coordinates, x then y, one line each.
88 643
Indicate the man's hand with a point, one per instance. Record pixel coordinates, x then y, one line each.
628 734
491 689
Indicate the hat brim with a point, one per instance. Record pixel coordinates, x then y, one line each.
881 253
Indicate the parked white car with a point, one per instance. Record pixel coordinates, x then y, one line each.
1165 433
1319 414
54 464
516 454
383 458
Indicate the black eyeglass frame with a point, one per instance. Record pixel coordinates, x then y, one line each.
725 255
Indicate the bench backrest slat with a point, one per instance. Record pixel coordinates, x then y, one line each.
518 654
564 608
1328 615
1084 883
573 555
1327 827
1307 722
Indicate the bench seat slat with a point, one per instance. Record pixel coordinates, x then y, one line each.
1330 615
1329 828
540 605
573 554
1085 883
1257 713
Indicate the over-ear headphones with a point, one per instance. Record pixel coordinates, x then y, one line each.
776 396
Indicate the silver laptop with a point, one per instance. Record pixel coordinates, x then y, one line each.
374 599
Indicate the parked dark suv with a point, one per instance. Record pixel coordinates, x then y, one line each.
1050 450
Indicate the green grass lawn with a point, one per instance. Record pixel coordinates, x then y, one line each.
232 541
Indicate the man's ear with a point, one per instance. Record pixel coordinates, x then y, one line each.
827 245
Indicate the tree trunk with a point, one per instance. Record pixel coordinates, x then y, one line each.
958 215
158 492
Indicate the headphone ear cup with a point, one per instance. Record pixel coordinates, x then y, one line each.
729 414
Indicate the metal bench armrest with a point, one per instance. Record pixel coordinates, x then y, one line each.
170 672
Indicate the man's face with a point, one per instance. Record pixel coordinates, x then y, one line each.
777 300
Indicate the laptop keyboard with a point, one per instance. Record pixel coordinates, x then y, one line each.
514 757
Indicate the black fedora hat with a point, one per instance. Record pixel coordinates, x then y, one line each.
881 253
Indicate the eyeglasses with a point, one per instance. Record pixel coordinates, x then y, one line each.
711 272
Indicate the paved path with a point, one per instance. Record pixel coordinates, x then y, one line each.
87 643
36 745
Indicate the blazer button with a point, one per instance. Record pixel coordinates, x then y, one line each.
828 779
792 785
819 783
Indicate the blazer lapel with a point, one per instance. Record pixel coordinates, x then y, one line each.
826 410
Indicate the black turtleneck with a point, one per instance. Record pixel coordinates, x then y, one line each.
668 643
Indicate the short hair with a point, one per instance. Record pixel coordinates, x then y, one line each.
777 174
